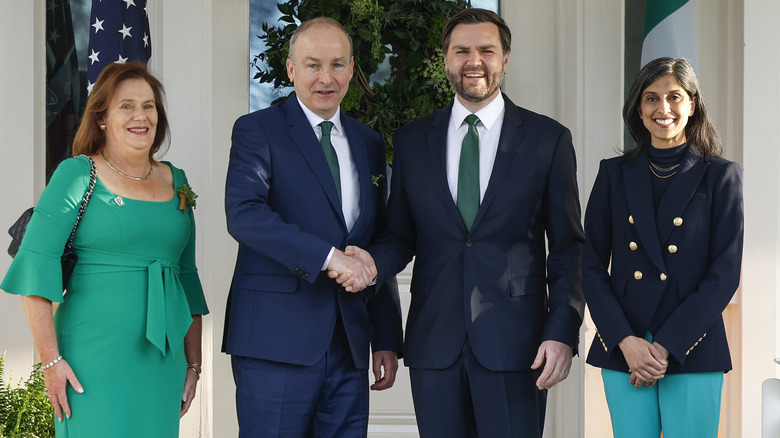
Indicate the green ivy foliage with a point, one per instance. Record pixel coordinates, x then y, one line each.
25 411
407 32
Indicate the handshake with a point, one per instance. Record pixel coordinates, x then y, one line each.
353 269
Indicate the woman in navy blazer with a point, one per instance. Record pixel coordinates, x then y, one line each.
668 217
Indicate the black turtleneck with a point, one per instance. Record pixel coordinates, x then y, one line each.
665 159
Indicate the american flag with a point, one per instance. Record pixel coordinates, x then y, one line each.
119 32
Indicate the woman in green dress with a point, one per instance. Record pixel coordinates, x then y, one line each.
122 353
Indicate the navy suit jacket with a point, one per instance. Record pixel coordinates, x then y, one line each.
283 209
491 283
673 271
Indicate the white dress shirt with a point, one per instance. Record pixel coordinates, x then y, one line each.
491 119
350 190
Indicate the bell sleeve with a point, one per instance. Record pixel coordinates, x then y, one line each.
36 269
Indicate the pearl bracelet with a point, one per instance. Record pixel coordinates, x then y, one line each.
52 363
194 367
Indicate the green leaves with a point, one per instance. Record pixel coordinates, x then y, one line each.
187 195
403 36
25 411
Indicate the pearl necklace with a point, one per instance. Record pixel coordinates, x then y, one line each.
134 178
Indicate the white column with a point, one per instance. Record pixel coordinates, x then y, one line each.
601 134
719 25
22 154
230 99
567 63
760 283
201 53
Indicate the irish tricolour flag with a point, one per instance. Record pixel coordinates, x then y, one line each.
670 30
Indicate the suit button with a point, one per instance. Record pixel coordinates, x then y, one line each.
677 221
630 219
468 243
301 272
633 246
663 276
638 275
672 249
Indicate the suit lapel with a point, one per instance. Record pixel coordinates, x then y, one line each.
680 191
639 194
302 135
358 149
508 146
437 145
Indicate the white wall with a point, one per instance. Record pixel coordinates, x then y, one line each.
719 32
22 122
201 53
760 298
567 63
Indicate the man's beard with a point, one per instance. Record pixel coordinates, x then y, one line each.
475 93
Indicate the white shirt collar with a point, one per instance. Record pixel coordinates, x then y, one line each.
315 120
488 115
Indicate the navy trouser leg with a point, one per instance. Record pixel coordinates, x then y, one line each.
468 400
342 407
326 400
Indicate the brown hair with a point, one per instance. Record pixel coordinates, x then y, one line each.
477 16
89 137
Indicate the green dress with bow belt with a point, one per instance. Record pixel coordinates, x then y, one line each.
127 307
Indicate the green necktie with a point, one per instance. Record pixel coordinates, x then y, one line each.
330 155
468 173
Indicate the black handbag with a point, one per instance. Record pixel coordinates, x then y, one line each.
69 258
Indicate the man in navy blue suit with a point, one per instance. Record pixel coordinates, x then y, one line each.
299 190
484 194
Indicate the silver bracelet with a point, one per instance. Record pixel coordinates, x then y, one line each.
52 363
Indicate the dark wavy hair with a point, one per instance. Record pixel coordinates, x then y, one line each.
699 132
477 16
89 137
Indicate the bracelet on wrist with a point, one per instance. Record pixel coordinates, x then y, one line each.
52 363
194 367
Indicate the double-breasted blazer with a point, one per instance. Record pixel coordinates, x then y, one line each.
511 282
673 271
283 209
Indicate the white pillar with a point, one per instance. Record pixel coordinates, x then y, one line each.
230 99
22 154
760 285
567 63
201 53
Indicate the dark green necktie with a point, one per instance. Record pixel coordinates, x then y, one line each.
330 155
468 173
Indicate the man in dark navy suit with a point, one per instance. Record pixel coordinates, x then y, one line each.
299 190
484 194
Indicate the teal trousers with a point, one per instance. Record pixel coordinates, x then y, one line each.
681 405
